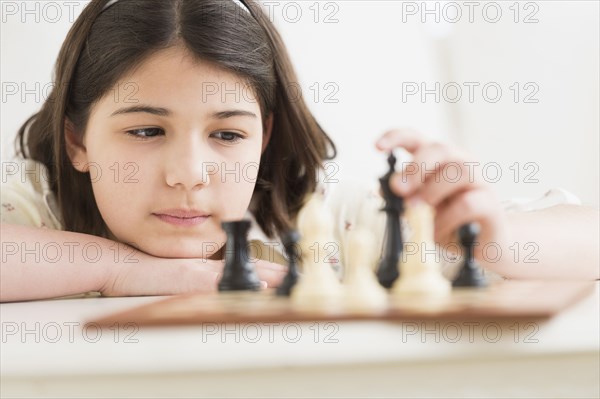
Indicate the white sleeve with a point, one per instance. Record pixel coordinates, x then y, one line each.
553 197
26 198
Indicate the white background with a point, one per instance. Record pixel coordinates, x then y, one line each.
371 50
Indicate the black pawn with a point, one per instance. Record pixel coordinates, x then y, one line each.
239 274
387 271
290 241
469 274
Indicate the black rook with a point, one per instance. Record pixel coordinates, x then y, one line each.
239 274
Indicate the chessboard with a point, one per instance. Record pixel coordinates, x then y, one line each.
503 300
376 285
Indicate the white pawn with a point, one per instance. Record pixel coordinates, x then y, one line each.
419 273
318 288
363 293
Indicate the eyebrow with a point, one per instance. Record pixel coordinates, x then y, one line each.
165 112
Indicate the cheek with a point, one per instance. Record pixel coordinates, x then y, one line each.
119 180
236 182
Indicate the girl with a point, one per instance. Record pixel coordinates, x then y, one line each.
170 117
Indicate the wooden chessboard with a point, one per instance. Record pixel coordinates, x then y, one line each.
503 300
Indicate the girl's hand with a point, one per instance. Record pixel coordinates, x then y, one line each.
439 176
161 276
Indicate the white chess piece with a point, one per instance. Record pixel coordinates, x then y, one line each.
318 288
419 272
363 293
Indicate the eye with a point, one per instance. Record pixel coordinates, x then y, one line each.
146 132
229 137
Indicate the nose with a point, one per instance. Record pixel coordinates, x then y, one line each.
185 164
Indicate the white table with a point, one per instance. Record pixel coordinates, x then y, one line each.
45 352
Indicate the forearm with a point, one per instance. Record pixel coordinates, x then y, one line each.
43 263
561 242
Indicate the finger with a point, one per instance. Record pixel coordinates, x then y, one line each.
452 179
426 167
202 281
476 205
210 272
271 273
409 139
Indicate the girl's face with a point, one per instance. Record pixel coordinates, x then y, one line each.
172 152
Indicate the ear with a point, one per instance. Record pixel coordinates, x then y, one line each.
75 149
267 132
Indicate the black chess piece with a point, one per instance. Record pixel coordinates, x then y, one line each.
239 274
470 274
290 241
387 271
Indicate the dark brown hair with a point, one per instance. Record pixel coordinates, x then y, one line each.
104 44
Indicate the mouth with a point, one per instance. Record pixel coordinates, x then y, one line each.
182 217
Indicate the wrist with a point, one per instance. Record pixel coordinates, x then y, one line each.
119 261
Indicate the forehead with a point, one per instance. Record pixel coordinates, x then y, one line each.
176 79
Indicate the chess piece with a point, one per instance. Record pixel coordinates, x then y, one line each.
290 241
387 271
363 293
318 288
470 274
239 274
420 275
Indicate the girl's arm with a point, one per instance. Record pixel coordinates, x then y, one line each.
42 263
557 242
